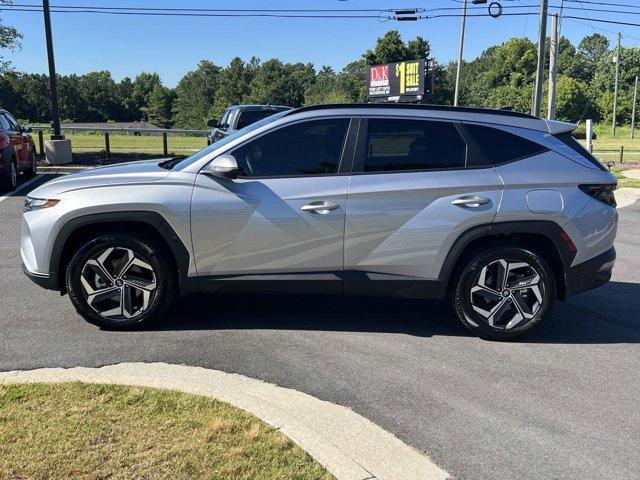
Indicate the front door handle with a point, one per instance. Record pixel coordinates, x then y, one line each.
319 207
472 201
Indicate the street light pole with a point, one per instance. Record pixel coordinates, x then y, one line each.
542 37
615 89
553 69
55 112
633 110
460 48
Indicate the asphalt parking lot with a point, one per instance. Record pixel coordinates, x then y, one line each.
562 404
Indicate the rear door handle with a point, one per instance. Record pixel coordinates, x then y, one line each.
319 207
472 201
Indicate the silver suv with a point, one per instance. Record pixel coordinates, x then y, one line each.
502 213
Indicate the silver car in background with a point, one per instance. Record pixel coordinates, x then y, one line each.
500 212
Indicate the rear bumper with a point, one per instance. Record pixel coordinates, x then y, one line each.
590 274
41 279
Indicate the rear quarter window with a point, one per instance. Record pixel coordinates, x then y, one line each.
569 141
502 147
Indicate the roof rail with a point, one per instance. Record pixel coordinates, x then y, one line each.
448 108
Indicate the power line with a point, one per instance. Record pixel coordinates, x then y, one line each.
600 29
201 14
305 10
602 20
608 4
18 6
256 13
222 10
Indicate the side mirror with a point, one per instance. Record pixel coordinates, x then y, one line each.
26 129
224 166
213 123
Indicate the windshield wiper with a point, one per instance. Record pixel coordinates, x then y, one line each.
169 164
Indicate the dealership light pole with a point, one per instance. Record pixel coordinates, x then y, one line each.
542 36
55 112
460 48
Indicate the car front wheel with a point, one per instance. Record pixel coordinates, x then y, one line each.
9 180
117 281
504 293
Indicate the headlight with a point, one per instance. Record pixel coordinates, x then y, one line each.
38 203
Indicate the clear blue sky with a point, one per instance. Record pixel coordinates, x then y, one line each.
171 46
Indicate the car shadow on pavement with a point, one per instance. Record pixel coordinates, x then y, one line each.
306 312
609 314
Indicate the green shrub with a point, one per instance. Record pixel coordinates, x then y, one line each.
580 133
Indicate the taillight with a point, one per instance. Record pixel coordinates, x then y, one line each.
603 193
566 239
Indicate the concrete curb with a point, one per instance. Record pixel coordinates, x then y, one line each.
345 443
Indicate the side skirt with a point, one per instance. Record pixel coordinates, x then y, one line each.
352 283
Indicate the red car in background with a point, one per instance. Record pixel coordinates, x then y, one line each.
17 151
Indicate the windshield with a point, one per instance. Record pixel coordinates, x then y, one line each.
223 141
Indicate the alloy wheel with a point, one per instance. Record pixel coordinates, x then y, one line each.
118 283
507 294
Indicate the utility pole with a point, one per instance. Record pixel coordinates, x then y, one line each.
633 110
55 111
553 69
542 37
460 48
615 90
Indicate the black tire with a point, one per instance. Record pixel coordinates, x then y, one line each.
146 250
519 298
32 169
8 181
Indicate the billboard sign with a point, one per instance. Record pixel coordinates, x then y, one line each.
396 80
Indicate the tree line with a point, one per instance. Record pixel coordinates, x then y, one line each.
502 76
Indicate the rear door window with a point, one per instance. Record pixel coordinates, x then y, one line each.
394 145
500 146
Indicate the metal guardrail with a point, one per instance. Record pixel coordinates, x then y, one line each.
164 132
121 129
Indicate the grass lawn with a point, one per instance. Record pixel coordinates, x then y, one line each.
606 147
82 431
83 143
623 181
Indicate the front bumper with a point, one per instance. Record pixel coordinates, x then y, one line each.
590 274
43 280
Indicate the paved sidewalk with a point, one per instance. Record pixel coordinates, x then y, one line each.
633 173
627 196
345 443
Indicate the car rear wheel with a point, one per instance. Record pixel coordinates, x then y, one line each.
117 281
32 169
504 293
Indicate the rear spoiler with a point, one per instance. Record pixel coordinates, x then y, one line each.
556 127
